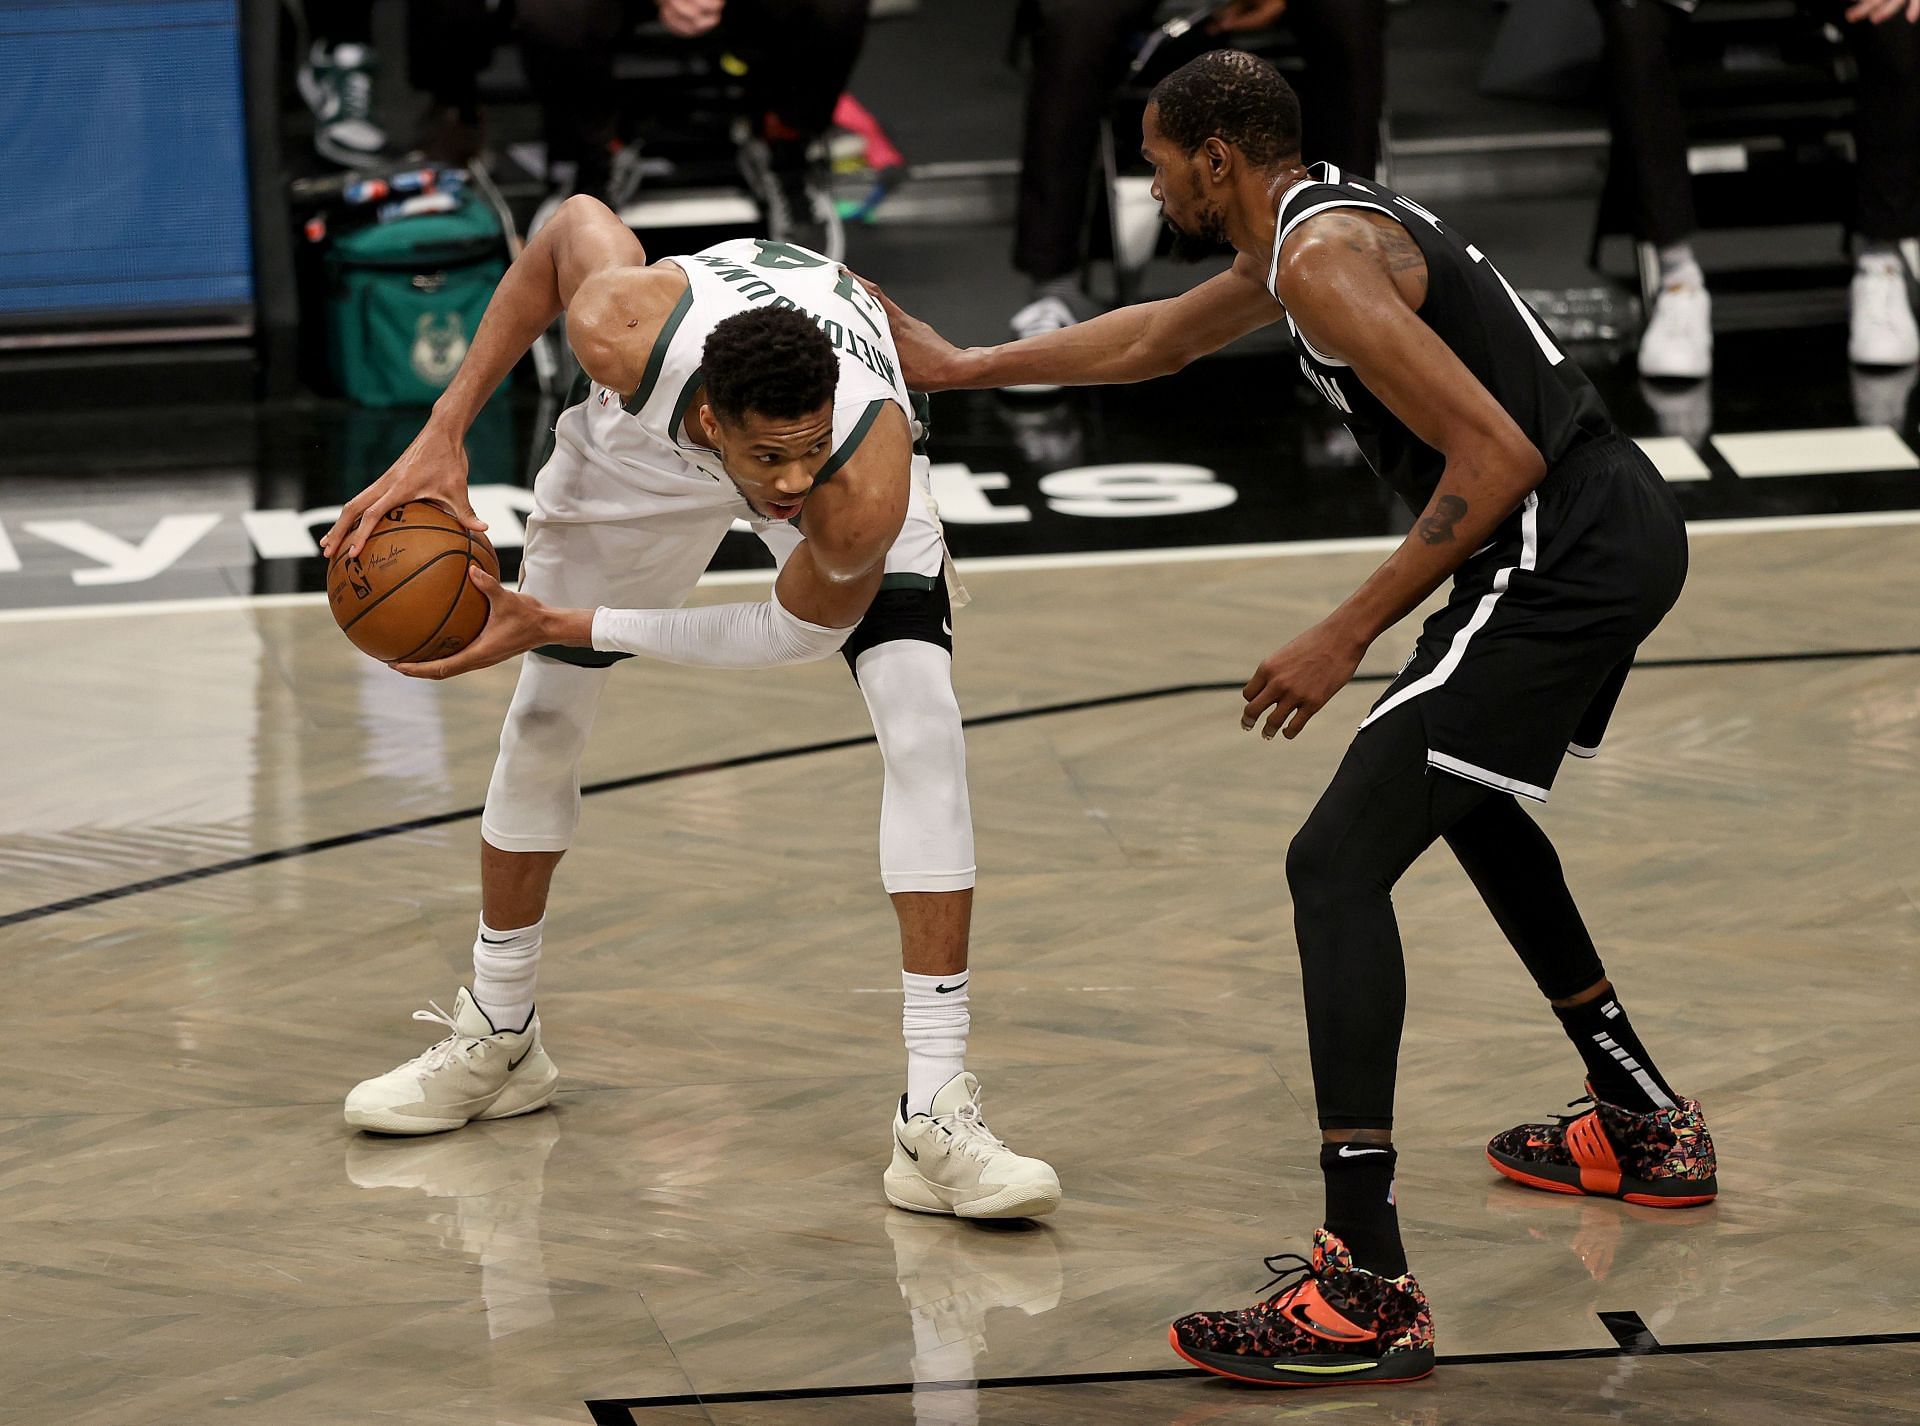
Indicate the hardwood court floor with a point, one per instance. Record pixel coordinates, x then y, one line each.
188 1233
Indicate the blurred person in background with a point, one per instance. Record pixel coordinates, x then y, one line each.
1080 53
1650 141
797 56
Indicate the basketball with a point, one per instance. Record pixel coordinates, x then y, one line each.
406 597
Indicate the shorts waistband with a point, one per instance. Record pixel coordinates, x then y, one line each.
1596 453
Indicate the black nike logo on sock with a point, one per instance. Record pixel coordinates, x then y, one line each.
943 989
503 941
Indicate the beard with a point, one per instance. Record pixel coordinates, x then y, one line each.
1207 239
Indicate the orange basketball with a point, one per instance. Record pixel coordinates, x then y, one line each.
406 597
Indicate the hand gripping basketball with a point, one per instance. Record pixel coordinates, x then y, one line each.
515 624
433 467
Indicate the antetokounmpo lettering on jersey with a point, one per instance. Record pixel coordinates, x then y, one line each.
757 289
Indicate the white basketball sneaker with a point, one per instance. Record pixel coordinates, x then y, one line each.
477 1072
948 1161
1678 342
1882 330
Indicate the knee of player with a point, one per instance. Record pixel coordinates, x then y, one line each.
922 743
538 723
1317 871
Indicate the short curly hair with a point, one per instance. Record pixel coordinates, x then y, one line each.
770 361
1234 96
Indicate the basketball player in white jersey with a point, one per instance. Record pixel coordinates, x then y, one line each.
756 381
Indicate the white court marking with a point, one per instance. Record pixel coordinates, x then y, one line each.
1840 451
1674 458
1096 559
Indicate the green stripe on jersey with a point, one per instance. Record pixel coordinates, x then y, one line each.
852 442
904 580
658 357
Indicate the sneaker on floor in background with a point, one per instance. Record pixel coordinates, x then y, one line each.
795 196
1882 330
1662 1159
1678 342
1331 1324
614 178
337 84
476 1072
1047 312
948 1161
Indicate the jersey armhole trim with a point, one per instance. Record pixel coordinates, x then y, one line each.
680 405
657 358
844 451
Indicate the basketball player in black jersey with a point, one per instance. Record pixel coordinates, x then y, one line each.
1565 549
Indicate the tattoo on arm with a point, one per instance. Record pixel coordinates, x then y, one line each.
1437 528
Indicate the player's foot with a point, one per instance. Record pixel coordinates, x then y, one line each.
476 1072
1678 342
1882 331
1330 1324
949 1161
1662 1159
337 84
1049 312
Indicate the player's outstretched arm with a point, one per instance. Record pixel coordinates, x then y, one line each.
1346 304
1132 344
818 599
583 238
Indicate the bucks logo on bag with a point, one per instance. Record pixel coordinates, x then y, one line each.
405 300
439 345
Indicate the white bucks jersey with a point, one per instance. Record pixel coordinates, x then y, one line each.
641 440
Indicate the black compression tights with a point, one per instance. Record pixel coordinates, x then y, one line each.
1382 809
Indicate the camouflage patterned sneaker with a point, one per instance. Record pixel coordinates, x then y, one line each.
1330 1324
1663 1159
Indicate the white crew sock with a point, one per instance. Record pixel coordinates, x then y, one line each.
934 1023
505 965
1678 267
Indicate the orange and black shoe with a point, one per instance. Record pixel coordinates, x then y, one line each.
1330 1324
1662 1159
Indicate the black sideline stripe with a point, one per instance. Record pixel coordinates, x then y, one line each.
608 1411
646 779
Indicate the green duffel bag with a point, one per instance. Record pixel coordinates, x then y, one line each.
404 299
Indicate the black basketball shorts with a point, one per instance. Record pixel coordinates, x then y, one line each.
1525 662
908 606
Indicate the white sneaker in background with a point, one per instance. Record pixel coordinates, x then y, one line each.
476 1072
1882 329
1678 342
337 84
1044 314
948 1161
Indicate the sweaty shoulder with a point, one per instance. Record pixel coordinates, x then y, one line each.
1340 249
615 316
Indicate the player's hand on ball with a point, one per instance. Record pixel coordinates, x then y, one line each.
433 467
1297 681
928 361
515 623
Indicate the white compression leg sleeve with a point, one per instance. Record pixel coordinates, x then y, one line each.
926 825
533 802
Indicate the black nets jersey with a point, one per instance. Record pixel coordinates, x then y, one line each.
1471 308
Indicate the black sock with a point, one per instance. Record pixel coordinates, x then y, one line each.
1618 1065
1360 1205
